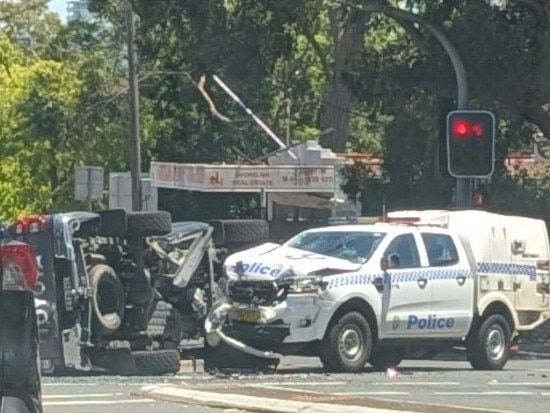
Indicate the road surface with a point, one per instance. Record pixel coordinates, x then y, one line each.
103 394
523 387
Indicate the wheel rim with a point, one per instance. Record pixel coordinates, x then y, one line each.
351 343
496 343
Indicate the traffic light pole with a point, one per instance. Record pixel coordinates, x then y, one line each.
464 186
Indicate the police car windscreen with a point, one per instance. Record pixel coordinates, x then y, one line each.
356 247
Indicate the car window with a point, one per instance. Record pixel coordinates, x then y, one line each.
441 249
355 246
403 252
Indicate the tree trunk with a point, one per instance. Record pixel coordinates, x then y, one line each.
347 33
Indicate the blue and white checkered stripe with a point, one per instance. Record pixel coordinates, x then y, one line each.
508 268
412 275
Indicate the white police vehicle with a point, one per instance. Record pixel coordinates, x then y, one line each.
419 281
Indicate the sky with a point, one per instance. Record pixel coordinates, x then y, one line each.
60 7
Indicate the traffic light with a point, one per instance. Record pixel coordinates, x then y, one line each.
470 143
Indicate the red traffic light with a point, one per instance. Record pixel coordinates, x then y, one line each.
463 129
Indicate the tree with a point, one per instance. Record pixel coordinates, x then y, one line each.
28 23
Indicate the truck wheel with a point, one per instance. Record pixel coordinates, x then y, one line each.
149 224
107 299
383 359
488 348
239 231
157 362
347 344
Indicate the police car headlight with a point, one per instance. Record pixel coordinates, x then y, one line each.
309 285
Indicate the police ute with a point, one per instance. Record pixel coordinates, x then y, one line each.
413 282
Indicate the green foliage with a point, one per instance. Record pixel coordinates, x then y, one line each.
380 84
526 192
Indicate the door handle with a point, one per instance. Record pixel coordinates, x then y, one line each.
461 279
379 283
422 282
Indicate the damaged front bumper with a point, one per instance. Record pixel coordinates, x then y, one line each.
264 331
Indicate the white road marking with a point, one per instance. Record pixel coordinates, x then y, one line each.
70 384
268 387
88 384
300 383
374 393
484 393
448 406
97 402
520 383
80 396
417 383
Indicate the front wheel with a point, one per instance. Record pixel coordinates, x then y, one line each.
488 347
347 344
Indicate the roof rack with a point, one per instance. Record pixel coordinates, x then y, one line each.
429 218
352 220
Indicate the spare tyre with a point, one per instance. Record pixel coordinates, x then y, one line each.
239 231
148 224
156 362
107 300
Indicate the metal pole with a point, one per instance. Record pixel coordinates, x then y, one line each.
135 144
464 192
288 106
89 196
263 204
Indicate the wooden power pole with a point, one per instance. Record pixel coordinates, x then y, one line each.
135 141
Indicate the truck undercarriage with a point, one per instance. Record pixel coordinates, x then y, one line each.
126 293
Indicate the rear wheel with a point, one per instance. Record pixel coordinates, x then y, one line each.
488 347
149 224
107 299
239 231
347 345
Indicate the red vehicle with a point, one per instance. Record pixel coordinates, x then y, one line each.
20 387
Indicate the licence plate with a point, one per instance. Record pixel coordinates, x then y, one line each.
248 316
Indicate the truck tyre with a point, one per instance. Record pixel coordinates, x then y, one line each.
149 224
488 347
157 362
347 344
239 231
107 300
383 359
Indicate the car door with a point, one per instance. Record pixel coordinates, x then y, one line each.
452 286
20 386
407 292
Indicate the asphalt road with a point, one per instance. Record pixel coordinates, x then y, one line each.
523 387
107 394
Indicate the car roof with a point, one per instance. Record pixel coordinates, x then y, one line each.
379 227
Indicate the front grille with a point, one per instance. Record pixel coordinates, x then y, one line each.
255 292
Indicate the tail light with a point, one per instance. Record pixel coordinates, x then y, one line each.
33 223
19 267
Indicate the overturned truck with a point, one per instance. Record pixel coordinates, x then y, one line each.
126 292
